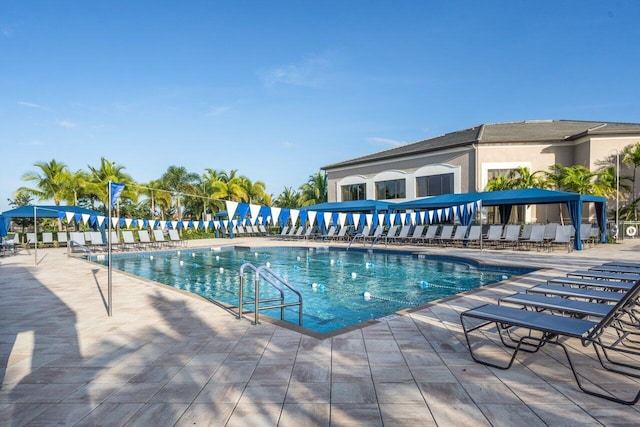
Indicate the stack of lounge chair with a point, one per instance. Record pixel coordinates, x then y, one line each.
597 308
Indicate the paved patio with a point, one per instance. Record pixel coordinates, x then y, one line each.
167 358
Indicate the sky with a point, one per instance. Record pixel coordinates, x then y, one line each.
278 89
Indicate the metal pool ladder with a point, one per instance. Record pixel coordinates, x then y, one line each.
272 279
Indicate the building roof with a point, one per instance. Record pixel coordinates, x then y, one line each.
525 131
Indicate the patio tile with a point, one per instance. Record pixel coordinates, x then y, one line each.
406 414
158 414
300 393
110 414
305 415
398 393
355 392
210 414
255 415
355 415
264 393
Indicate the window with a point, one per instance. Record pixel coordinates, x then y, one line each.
518 213
354 192
394 189
434 185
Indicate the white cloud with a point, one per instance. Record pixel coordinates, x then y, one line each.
288 145
67 124
32 105
385 141
217 111
310 72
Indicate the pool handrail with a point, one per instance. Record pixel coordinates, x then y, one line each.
274 280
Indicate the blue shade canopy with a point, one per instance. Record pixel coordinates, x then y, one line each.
363 206
3 228
527 196
44 212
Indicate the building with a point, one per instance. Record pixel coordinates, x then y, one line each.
465 160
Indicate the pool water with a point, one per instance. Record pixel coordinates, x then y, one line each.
339 288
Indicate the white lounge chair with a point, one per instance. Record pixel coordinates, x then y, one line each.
417 233
62 238
174 237
128 240
144 238
446 234
47 239
430 235
158 236
31 239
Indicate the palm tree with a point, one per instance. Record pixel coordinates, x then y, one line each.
289 198
314 191
521 177
256 192
579 179
110 171
153 190
179 180
76 183
229 187
499 183
631 156
50 183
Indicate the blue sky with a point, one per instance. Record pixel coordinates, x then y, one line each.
278 89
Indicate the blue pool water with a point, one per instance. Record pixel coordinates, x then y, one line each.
339 288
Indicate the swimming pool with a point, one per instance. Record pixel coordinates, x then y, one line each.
339 288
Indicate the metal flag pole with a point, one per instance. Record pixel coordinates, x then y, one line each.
109 303
35 233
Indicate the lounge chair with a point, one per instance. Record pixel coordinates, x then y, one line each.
615 269
593 274
129 242
494 235
446 234
175 239
77 238
342 233
12 243
330 233
536 237
624 264
511 235
585 234
430 235
612 285
47 239
460 235
283 233
376 233
97 242
554 329
416 236
158 237
62 238
116 244
403 235
390 234
473 238
144 238
31 240
308 232
563 237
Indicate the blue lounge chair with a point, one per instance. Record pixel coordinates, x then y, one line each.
554 329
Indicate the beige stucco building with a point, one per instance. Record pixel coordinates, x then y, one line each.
465 160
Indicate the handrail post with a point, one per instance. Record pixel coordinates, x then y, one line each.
240 297
257 299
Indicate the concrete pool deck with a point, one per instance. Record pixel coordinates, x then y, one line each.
166 358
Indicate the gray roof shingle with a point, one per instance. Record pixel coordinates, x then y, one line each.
526 131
